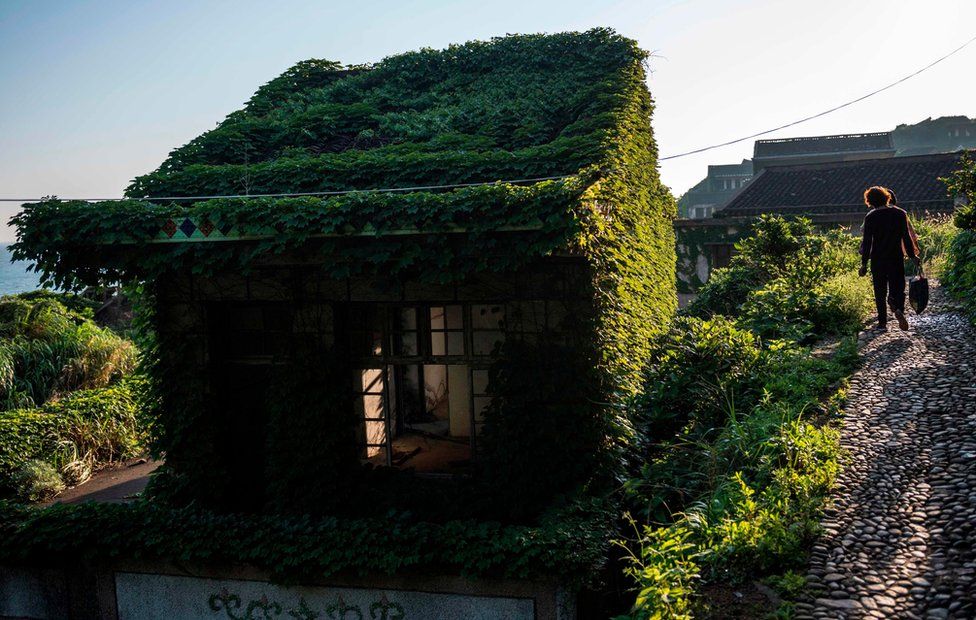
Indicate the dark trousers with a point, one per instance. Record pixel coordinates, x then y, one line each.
888 277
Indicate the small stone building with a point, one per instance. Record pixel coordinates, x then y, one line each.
339 274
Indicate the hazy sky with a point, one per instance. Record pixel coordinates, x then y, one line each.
95 93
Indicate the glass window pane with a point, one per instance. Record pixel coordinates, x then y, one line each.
479 380
370 380
454 317
438 344
485 342
437 317
455 343
487 316
405 344
370 406
407 319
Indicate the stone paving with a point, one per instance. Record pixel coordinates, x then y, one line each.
900 538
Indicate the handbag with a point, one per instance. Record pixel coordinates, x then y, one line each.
918 292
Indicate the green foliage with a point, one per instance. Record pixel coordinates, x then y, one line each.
83 305
935 235
737 450
664 566
789 281
698 367
312 448
959 272
98 426
25 435
37 480
47 350
102 423
962 183
543 216
544 433
782 309
569 545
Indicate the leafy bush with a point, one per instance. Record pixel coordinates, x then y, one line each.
25 435
37 480
959 272
741 494
780 309
91 426
789 281
664 566
47 350
935 235
699 366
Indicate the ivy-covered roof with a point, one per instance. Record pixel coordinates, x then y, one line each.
508 112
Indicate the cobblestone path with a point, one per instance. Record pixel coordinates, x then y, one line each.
900 538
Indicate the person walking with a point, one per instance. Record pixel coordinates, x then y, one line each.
886 239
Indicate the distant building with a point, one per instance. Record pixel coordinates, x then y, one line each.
715 190
832 191
940 135
829 193
814 149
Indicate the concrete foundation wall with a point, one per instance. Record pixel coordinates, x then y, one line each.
149 591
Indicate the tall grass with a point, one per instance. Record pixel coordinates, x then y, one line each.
935 235
47 350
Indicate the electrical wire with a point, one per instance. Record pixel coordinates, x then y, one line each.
825 112
415 188
513 181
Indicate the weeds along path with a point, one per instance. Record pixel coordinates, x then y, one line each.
900 538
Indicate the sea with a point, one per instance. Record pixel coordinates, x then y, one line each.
14 277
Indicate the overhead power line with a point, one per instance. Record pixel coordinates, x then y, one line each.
532 180
416 188
825 112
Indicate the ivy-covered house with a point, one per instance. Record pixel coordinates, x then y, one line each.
419 284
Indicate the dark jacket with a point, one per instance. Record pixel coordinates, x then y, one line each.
887 235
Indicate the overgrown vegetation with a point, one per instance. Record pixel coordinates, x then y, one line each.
738 448
482 111
65 404
569 545
959 272
935 236
788 280
47 350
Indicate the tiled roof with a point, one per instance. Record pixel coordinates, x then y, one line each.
814 145
837 187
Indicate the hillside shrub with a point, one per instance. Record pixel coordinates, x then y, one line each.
88 426
959 272
37 480
935 235
743 499
789 280
47 350
739 450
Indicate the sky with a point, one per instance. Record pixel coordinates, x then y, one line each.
94 93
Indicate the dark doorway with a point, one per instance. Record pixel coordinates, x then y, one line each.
248 339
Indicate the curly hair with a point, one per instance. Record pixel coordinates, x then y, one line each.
876 196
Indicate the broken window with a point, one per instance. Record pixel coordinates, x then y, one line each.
421 377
